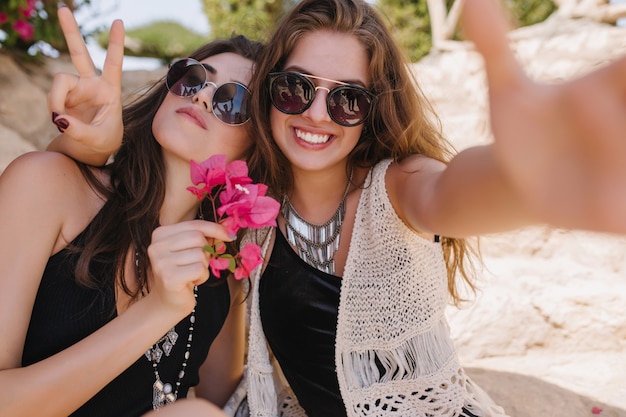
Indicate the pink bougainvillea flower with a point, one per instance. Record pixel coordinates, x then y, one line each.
242 205
27 11
250 258
218 264
237 173
596 410
211 172
3 18
24 29
215 172
247 206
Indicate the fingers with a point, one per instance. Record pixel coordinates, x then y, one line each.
207 229
112 68
485 24
176 251
75 43
61 86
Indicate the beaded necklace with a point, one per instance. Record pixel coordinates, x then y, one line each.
165 393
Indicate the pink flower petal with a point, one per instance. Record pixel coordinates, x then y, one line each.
218 264
24 29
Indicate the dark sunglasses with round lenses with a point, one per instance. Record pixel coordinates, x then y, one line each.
293 93
186 77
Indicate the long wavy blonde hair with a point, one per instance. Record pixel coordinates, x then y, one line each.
402 121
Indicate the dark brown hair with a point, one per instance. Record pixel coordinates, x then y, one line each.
137 190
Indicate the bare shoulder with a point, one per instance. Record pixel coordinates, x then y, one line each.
44 175
413 165
410 185
50 189
38 162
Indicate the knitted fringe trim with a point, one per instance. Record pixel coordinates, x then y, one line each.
261 389
479 403
419 356
262 399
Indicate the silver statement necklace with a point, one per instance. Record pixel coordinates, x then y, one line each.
316 244
164 392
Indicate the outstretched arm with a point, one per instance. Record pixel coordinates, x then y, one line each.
87 108
561 146
558 156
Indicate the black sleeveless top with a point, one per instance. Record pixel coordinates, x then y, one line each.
299 307
65 313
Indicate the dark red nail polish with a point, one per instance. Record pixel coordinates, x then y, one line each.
54 116
61 124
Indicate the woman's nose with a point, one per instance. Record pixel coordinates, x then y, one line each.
318 111
205 95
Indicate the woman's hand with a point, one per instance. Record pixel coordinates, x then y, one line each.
562 146
87 107
178 261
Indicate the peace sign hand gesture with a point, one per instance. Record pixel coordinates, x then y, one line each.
87 108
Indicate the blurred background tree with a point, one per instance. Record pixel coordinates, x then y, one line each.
31 25
28 27
411 25
409 19
168 40
162 40
252 18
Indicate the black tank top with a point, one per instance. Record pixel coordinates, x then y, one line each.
65 312
299 307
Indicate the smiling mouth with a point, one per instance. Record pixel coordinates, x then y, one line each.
309 137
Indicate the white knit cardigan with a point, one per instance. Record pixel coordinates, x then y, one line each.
391 314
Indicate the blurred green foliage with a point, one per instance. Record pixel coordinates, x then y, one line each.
38 25
162 40
408 19
252 18
410 22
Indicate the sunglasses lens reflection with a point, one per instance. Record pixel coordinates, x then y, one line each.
292 93
349 106
230 103
185 78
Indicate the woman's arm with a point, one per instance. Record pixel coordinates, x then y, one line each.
87 107
558 155
560 146
467 197
42 200
223 368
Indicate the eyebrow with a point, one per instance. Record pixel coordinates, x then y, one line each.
305 72
210 69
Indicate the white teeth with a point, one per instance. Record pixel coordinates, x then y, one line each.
312 138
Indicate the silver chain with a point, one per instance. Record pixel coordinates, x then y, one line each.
165 393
